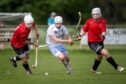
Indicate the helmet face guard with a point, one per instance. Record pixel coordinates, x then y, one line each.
58 25
96 13
28 25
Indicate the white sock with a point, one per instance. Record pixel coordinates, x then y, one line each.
14 58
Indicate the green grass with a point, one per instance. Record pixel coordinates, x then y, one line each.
81 60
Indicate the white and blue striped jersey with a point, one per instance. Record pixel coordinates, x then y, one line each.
59 33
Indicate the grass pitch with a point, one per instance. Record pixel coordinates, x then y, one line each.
81 60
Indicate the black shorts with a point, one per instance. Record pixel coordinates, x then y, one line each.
96 46
22 50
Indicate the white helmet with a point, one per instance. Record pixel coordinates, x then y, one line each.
96 10
58 19
28 19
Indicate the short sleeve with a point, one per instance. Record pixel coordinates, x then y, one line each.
85 27
52 31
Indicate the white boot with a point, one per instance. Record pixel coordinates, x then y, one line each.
120 69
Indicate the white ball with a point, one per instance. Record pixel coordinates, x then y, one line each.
46 73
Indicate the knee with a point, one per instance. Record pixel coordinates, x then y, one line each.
61 57
24 60
105 53
27 55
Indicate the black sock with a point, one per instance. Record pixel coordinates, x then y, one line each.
26 67
112 62
18 58
96 64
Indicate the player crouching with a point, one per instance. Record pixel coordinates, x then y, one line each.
19 42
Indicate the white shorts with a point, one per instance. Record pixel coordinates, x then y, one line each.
56 50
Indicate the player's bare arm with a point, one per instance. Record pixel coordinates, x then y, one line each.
82 33
31 43
57 40
103 35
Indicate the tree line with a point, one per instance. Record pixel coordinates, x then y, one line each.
112 10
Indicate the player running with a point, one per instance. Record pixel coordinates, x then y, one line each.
96 29
55 42
19 42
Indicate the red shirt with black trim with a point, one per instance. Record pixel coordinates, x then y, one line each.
95 29
20 35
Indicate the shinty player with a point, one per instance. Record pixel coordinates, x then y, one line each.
57 35
20 42
95 28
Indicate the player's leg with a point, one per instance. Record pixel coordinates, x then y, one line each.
69 67
22 54
110 60
25 63
63 50
97 62
66 62
96 47
17 57
14 59
61 57
57 52
25 60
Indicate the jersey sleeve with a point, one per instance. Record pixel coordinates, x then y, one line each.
18 27
52 31
85 27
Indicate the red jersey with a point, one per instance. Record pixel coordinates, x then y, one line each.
20 35
95 29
